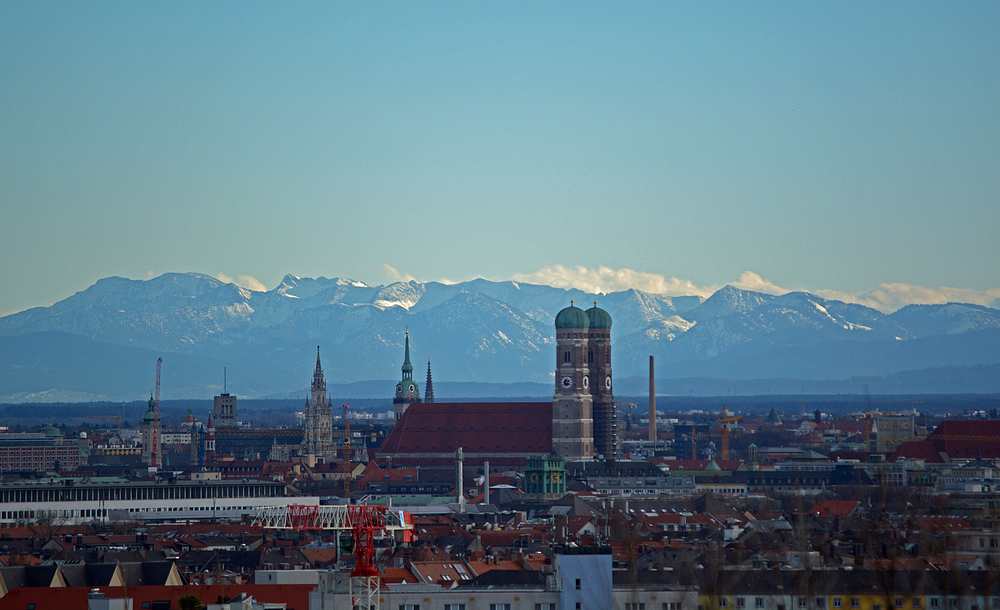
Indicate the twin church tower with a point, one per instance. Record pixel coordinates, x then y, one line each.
584 424
583 408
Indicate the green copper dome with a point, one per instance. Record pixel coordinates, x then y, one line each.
598 318
572 317
150 415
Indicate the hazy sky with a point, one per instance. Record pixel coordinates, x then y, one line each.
827 146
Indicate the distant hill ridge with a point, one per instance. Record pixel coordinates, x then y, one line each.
102 343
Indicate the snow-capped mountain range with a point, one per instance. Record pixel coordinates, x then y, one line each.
102 343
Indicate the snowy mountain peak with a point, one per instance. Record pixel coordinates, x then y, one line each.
475 331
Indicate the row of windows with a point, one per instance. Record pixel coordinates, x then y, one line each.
9 515
162 492
568 357
40 450
855 602
580 335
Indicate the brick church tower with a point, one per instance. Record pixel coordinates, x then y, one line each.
599 363
572 404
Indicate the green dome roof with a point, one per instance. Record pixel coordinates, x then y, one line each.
50 430
572 317
149 416
598 318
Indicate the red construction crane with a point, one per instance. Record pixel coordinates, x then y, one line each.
156 457
347 453
364 522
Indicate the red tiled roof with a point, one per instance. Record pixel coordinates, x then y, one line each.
920 450
481 567
495 427
396 576
73 598
944 524
967 438
833 508
320 557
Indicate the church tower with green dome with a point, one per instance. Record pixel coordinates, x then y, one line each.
572 404
147 432
407 392
599 364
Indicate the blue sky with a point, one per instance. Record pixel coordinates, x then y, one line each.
841 148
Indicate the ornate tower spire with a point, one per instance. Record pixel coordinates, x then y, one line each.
407 392
407 367
318 382
317 438
429 387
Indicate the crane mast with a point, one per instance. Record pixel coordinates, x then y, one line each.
725 430
347 453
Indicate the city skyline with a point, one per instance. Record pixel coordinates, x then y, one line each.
847 150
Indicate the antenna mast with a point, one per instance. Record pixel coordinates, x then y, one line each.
156 419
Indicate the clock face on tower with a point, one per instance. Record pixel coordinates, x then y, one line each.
412 387
399 388
607 382
567 382
586 382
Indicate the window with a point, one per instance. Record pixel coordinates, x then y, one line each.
802 602
758 602
723 602
855 602
995 602
566 357
462 607
935 602
499 606
953 602
537 607
838 602
897 602
820 602
577 584
741 602
915 602
409 606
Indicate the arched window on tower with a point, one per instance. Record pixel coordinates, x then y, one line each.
590 356
607 357
566 357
